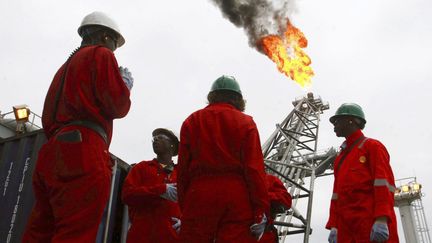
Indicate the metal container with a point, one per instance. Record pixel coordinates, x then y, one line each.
18 156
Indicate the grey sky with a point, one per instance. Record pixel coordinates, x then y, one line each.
375 53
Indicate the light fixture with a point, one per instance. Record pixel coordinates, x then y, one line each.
397 191
21 112
416 187
405 188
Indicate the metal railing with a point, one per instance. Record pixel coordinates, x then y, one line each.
8 121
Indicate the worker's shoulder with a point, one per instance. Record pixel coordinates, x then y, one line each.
245 119
228 108
143 163
271 179
98 50
247 116
369 142
223 109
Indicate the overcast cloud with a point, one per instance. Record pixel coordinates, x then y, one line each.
374 53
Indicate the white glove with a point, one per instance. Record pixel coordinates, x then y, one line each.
171 192
257 230
333 236
379 232
127 77
177 224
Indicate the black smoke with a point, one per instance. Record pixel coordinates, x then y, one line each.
257 17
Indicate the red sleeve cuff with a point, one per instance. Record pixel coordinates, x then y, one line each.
259 214
160 189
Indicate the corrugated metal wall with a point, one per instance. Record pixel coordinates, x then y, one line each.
18 156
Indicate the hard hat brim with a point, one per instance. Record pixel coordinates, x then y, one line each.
333 118
120 41
98 18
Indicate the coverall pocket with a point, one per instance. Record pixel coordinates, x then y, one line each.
73 136
359 176
74 156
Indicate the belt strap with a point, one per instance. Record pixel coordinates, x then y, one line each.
93 126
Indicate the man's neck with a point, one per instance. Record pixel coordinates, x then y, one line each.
352 131
164 159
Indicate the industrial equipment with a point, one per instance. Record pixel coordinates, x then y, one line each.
20 141
24 120
291 154
408 199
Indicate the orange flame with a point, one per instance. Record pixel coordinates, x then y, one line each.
288 54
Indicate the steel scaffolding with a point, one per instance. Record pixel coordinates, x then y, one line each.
291 154
408 199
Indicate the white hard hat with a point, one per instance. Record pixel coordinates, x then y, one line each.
99 18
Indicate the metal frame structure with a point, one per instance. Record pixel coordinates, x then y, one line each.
408 199
19 148
291 154
10 127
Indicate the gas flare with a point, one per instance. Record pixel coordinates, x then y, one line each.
288 54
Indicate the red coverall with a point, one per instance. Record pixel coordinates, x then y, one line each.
278 196
221 178
150 214
72 178
363 190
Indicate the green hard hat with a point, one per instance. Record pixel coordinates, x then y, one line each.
349 109
226 83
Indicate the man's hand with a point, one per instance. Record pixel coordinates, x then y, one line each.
257 230
379 232
177 224
127 77
332 236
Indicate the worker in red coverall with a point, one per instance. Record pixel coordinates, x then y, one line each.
150 192
221 179
362 205
280 201
72 178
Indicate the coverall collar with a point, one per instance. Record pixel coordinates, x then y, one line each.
221 104
352 138
168 168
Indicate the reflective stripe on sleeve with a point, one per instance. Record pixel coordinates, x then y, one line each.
384 182
334 196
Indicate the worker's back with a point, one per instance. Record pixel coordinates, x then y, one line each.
93 90
217 134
